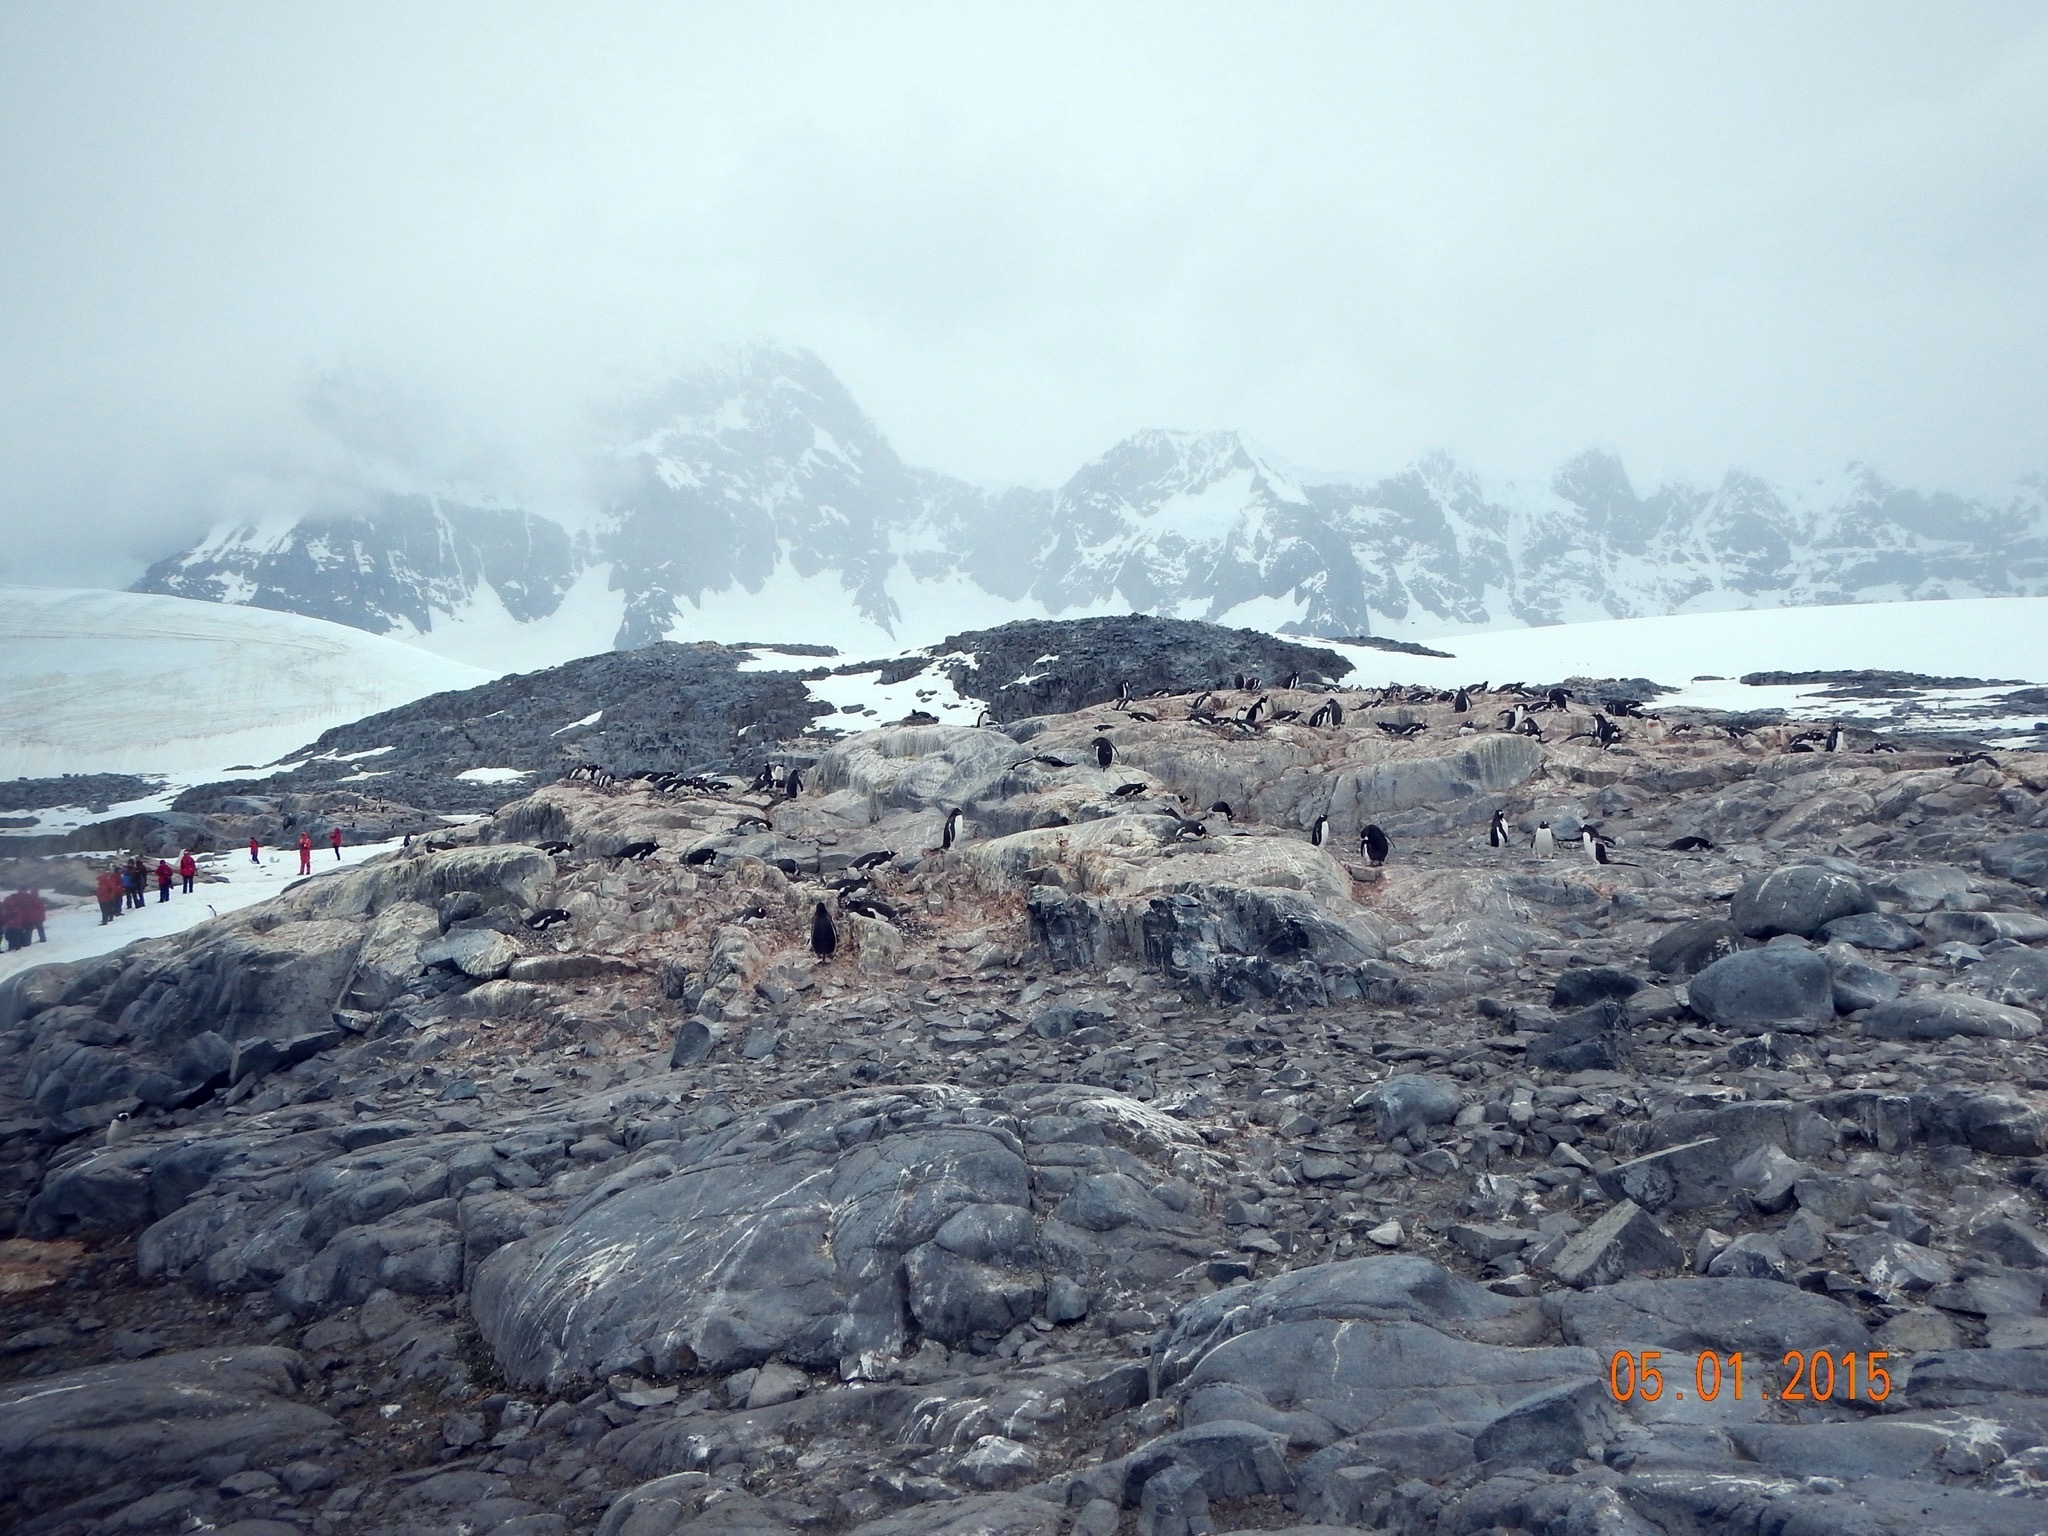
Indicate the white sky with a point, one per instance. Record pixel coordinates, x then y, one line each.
1776 236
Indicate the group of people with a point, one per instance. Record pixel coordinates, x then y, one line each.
122 887
305 849
22 916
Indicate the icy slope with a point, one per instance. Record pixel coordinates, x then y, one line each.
129 682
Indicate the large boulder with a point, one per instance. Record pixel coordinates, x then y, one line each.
1797 899
158 1419
2016 976
1944 1015
814 1232
1691 947
1764 986
389 959
1871 930
500 874
2022 857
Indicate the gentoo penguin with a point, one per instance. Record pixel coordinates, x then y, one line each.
1320 831
1293 680
1222 808
120 1128
1461 703
794 784
1251 716
1372 842
1513 716
1559 699
1240 682
1123 694
1546 841
1594 844
952 829
1105 751
824 937
1835 737
1605 731
1691 843
1497 833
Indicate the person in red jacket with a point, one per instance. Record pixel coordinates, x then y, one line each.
305 853
255 856
188 867
164 875
14 925
108 889
35 912
334 837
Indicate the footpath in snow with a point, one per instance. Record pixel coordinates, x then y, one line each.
76 932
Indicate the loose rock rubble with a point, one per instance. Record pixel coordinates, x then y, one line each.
1129 1165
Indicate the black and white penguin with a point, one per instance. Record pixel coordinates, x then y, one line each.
1691 843
824 936
1373 843
1461 703
1511 718
1594 844
1239 682
1222 808
1559 699
1293 680
1105 751
1497 832
1545 841
1123 694
794 784
1320 831
1835 737
1605 731
952 829
120 1128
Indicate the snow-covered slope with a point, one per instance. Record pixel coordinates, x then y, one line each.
124 682
750 499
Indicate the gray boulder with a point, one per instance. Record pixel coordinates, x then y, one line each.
1691 947
2016 976
1627 1240
482 954
1684 1316
1985 927
1797 899
1410 1104
1764 986
158 1418
1944 1015
1871 930
2023 857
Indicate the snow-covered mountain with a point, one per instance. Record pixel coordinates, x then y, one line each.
750 499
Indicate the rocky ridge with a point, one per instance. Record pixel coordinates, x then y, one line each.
1126 1165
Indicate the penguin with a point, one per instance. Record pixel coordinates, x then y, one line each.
872 858
1186 830
1239 683
1319 831
1594 844
1605 732
983 719
1560 699
1497 832
1251 716
1222 808
1105 751
824 936
794 784
1125 791
1372 842
697 858
1294 680
1546 841
1691 843
1461 703
1514 719
120 1128
1123 694
1835 737
952 829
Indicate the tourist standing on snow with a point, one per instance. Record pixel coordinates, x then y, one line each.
132 879
187 868
108 889
35 912
164 875
255 857
334 837
305 853
14 925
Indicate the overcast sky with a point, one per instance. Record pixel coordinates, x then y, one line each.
1776 236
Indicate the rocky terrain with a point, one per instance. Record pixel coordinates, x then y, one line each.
754 487
624 1162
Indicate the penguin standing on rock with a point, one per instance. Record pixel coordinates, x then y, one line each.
824 936
1461 703
952 829
1497 832
1105 751
120 1128
1546 841
1318 833
1594 844
1373 843
1835 737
